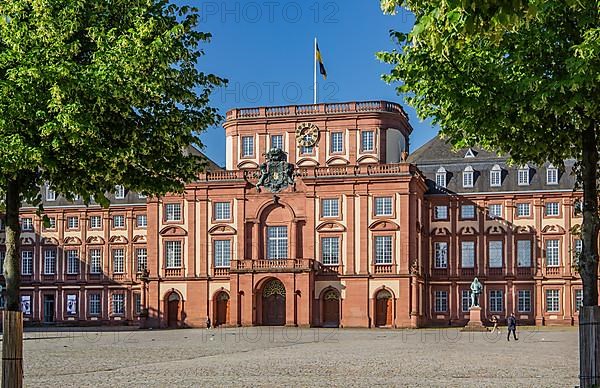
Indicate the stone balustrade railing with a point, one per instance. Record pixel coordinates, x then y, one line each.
315 109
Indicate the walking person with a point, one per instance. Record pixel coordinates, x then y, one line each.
494 320
512 326
208 322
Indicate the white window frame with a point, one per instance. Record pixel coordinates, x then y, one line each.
441 178
118 304
95 255
524 301
222 211
119 192
495 210
222 253
496 176
384 206
552 253
330 207
330 250
120 224
49 261
496 298
336 142
72 259
441 301
95 222
468 175
467 254
95 303
440 249
173 254
465 301
552 209
383 250
141 220
551 175
367 141
172 212
50 194
118 260
141 259
467 215
26 262
27 224
523 176
495 254
524 253
523 209
440 212
276 141
247 146
72 222
552 301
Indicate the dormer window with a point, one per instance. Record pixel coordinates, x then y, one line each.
470 153
551 175
468 177
119 192
496 176
523 176
440 177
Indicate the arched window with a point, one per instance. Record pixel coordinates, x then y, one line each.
551 175
523 175
440 177
496 176
468 177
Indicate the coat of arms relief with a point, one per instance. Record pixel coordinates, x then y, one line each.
275 173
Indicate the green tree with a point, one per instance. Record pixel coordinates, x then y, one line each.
93 94
518 77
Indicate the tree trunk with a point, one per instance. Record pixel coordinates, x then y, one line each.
12 342
589 318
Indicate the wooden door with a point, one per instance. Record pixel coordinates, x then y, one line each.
274 310
331 309
222 309
172 314
381 312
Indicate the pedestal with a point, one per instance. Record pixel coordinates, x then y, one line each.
474 323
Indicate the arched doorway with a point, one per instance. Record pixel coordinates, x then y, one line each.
331 308
173 304
273 303
383 308
222 309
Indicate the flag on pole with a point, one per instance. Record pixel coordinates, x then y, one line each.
321 66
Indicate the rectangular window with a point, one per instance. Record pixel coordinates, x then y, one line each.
552 253
277 242
118 261
467 178
222 253
95 222
496 301
467 254
440 212
26 262
495 210
27 224
523 177
247 146
222 211
173 254
51 223
141 221
72 262
306 150
50 194
367 142
383 206
441 301
119 192
578 299
95 304
49 261
465 300
467 212
578 246
524 301
440 179
173 212
524 253
72 222
141 255
496 178
337 142
330 250
495 255
552 301
441 254
523 210
118 221
330 207
552 176
277 142
552 208
95 261
118 304
137 303
383 249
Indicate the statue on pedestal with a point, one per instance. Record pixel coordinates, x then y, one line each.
476 289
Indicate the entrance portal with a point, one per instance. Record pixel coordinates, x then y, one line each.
48 308
173 309
222 314
331 309
273 303
383 308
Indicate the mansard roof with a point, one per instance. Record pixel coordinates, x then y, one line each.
438 153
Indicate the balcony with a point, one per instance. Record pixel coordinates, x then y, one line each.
524 272
439 272
119 277
384 269
278 265
469 272
496 272
553 271
221 271
173 272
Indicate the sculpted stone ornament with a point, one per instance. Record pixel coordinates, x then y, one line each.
476 289
275 173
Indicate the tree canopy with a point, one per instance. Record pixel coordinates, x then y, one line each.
95 93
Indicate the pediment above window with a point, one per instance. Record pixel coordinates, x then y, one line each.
118 240
331 227
384 226
222 230
95 240
247 164
337 161
440 232
524 229
553 229
495 229
307 162
173 231
27 241
72 241
468 231
367 159
139 238
49 241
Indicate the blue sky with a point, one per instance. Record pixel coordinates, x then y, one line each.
265 49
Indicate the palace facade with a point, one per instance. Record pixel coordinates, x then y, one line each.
322 217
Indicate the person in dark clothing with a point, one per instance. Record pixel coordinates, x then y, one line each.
512 326
208 322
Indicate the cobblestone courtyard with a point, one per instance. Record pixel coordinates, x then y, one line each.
300 357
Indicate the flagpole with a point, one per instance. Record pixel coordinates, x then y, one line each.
315 75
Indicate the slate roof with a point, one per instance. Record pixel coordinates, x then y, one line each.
438 153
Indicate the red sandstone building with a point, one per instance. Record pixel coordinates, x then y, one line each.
347 228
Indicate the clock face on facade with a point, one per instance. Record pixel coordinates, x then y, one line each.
307 134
